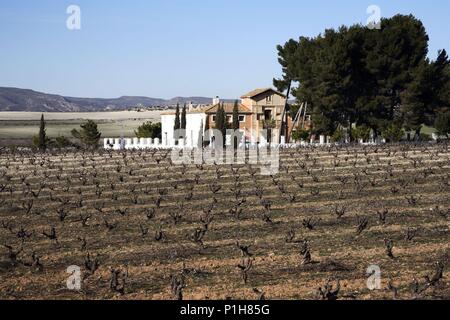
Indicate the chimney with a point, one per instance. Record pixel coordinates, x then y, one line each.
216 100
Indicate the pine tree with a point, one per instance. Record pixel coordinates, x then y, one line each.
422 99
441 83
417 102
442 124
42 135
353 75
89 135
149 130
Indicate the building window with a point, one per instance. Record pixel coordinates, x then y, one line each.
241 118
269 99
214 118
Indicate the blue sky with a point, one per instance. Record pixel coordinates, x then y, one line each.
167 48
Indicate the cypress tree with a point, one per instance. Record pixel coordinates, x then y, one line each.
224 125
177 118
220 121
207 123
183 117
207 133
236 116
183 121
200 135
42 135
235 122
177 125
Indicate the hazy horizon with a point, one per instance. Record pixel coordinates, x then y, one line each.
114 97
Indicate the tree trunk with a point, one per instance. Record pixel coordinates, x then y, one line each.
284 113
350 134
417 135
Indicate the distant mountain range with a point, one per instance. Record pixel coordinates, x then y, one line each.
15 99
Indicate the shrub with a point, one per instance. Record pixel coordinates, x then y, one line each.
393 133
300 134
442 124
361 132
338 135
89 135
37 142
425 137
62 142
149 130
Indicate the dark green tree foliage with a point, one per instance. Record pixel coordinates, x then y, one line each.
218 123
417 108
89 135
177 124
235 123
200 135
149 130
221 122
288 61
392 56
62 142
441 83
442 124
207 123
236 116
224 125
358 76
424 97
207 132
393 132
183 117
177 118
42 142
361 132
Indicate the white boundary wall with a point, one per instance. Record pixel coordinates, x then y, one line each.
148 143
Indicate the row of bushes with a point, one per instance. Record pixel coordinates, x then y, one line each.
392 133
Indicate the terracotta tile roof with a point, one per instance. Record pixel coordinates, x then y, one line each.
257 92
228 108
